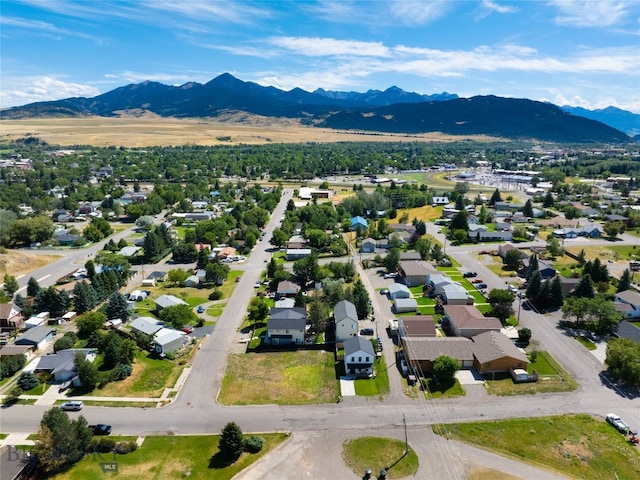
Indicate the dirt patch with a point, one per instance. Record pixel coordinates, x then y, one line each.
489 474
579 451
20 263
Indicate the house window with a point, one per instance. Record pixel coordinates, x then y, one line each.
366 359
286 331
359 359
353 359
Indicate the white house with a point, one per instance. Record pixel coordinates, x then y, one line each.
165 301
62 364
358 356
168 340
146 325
398 290
346 318
368 245
628 303
36 337
402 305
286 326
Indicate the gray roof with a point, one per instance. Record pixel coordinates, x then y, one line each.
345 309
627 329
353 344
490 346
631 297
35 335
165 301
398 287
406 302
286 323
288 313
64 360
430 348
413 267
146 325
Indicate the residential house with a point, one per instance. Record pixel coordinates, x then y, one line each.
191 281
468 321
10 317
435 201
165 301
456 294
346 320
493 352
285 303
628 330
497 236
168 340
64 238
296 242
397 290
368 245
129 251
421 352
297 253
403 305
37 320
503 249
410 255
416 326
631 299
146 325
286 326
61 365
568 285
546 269
358 356
414 273
287 288
358 223
13 350
37 337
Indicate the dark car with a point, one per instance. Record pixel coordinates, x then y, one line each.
469 274
366 331
100 429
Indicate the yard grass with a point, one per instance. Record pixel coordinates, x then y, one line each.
38 389
151 375
425 301
113 403
423 309
378 453
553 378
284 378
483 307
378 386
215 311
171 457
426 213
477 296
589 345
433 390
575 445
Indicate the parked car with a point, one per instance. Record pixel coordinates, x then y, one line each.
187 329
469 274
366 331
476 280
200 309
403 367
512 288
100 429
257 284
72 406
617 422
480 286
390 275
384 291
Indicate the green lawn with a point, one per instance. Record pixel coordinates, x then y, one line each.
625 252
425 301
378 386
38 390
378 453
284 378
433 390
171 457
589 345
575 445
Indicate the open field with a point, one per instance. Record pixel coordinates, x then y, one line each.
283 378
575 445
20 263
149 130
171 457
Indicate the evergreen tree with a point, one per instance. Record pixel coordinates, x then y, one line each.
528 209
459 221
231 443
585 288
360 298
623 284
203 258
46 300
556 296
548 200
496 197
33 287
117 307
535 285
153 246
84 297
87 372
534 266
542 300
90 267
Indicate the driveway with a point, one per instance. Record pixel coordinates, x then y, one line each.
469 377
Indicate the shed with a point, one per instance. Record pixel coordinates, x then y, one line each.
168 340
36 337
397 290
405 305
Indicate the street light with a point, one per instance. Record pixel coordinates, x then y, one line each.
406 441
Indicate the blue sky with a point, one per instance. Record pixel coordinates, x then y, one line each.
578 52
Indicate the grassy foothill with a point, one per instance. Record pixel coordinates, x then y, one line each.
378 453
171 457
578 446
283 378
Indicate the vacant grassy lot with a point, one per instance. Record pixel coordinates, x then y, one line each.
171 457
426 213
284 378
378 453
18 263
151 375
575 445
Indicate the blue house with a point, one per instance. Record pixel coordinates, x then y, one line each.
358 222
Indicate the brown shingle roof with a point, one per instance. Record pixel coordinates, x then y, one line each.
468 317
430 348
490 346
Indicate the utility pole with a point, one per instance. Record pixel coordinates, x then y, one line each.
406 441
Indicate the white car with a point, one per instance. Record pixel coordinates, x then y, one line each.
73 406
617 422
513 288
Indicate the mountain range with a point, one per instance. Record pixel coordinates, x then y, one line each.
391 110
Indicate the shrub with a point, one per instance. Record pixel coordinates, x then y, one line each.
122 372
27 381
215 295
126 447
102 445
253 444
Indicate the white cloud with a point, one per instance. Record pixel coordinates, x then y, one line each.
323 47
21 92
600 103
590 13
494 7
137 77
420 12
43 28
